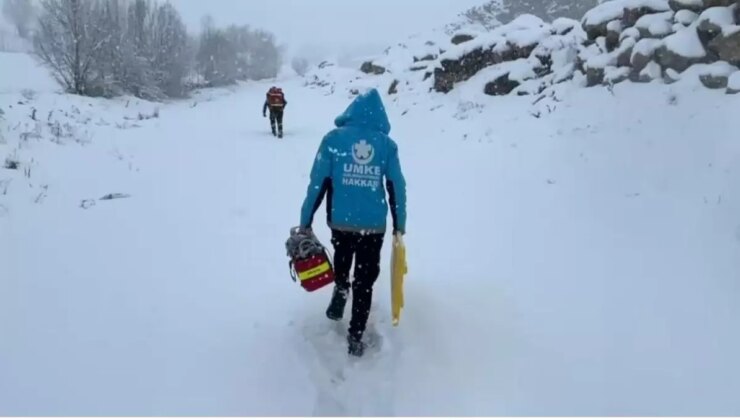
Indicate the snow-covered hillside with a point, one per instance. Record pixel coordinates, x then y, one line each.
619 40
573 256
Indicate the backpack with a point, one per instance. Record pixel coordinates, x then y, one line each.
275 97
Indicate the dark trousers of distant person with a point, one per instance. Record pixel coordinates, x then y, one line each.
276 118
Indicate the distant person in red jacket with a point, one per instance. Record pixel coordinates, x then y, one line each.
276 103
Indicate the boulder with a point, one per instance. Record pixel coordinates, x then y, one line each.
651 72
460 38
727 47
656 25
632 15
733 83
595 21
595 31
643 53
714 81
685 17
669 59
612 40
458 70
369 68
443 81
707 31
428 57
624 59
693 5
640 61
615 75
681 50
501 86
630 33
594 76
613 33
711 23
698 5
717 3
671 76
393 89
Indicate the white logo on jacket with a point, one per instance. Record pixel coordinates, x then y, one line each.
360 174
362 152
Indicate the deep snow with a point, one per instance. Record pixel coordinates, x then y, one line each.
581 263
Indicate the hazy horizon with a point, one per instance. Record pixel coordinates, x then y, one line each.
329 26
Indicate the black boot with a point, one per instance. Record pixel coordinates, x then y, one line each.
355 346
335 311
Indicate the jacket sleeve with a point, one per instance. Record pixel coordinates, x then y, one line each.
264 107
396 185
318 184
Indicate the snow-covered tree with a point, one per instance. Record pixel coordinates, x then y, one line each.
21 14
140 47
69 43
266 58
236 53
171 54
217 57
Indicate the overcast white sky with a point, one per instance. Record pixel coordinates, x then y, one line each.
333 24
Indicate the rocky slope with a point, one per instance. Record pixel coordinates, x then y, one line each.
619 40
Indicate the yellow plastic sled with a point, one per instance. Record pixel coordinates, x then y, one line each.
398 270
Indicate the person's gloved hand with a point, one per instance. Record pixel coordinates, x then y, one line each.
264 115
306 230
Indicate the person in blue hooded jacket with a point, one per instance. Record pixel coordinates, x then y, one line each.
358 170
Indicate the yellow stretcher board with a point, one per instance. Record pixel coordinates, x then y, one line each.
398 270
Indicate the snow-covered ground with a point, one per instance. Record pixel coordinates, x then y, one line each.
581 263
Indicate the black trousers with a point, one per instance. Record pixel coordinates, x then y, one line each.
276 116
365 250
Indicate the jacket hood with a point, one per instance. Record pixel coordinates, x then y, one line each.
366 111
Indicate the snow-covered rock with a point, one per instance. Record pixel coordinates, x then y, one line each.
681 50
692 5
711 22
727 47
614 75
685 17
563 26
613 33
733 83
610 38
655 25
630 33
651 72
369 68
601 15
461 38
698 5
643 53
716 75
526 37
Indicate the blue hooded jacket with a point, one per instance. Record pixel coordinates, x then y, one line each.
352 162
